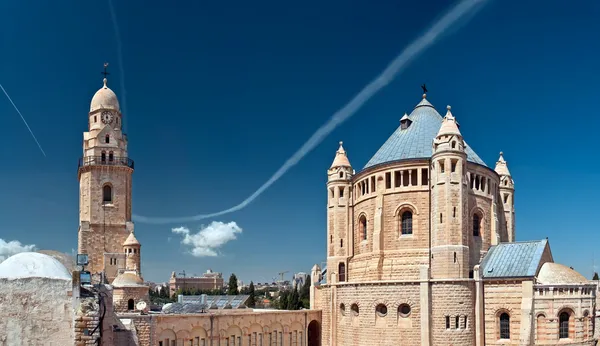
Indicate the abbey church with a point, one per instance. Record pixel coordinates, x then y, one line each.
421 250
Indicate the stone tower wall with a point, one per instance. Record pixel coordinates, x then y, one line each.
449 300
96 240
339 210
400 187
383 329
132 259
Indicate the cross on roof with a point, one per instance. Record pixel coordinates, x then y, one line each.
105 73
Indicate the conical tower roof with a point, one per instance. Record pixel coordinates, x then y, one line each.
501 166
131 240
341 159
449 125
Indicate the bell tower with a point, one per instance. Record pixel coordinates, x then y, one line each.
104 175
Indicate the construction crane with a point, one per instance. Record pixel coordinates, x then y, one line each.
281 276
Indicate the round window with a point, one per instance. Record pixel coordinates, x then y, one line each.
381 310
404 310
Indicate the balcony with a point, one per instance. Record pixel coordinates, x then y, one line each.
105 161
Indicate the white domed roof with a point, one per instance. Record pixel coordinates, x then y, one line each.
104 98
33 265
127 279
557 274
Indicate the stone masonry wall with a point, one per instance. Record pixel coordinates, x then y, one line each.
403 254
370 327
453 313
502 296
103 227
35 311
323 303
233 327
550 301
123 294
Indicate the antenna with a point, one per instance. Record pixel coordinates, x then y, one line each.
141 306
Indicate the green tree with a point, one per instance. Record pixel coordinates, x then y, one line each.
283 300
305 293
595 276
294 302
233 285
252 298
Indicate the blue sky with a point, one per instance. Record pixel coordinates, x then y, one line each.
219 95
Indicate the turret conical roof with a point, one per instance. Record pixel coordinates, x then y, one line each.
341 159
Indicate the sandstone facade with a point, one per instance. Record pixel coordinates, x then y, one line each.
408 241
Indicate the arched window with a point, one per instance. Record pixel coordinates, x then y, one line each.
107 139
111 156
563 325
476 225
406 225
504 326
106 194
103 157
342 272
130 305
362 224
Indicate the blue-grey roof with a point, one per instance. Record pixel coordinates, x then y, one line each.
416 141
511 260
193 304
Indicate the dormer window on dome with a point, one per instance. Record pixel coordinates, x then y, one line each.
405 122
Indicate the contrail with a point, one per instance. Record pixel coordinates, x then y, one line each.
115 24
24 121
390 72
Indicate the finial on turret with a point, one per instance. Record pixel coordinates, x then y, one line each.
501 153
105 73
448 107
341 142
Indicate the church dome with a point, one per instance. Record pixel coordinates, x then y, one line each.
33 265
105 98
416 140
558 274
127 279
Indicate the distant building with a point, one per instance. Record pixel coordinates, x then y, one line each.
208 281
299 280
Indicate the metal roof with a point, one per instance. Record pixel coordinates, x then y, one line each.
195 304
519 259
416 141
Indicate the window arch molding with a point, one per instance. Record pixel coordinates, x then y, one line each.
503 324
406 205
565 308
566 328
363 234
482 219
399 216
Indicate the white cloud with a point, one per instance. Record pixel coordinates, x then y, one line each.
12 247
209 239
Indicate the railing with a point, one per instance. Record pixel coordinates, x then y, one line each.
105 161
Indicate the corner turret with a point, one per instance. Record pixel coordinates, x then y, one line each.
132 248
339 204
507 194
450 240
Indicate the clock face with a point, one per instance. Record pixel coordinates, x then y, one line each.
107 117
